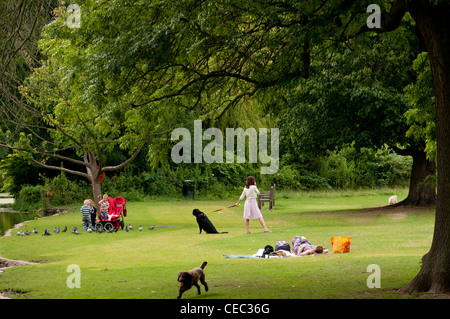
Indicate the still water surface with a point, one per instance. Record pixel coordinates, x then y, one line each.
8 218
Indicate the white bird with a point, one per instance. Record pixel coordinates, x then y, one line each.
140 228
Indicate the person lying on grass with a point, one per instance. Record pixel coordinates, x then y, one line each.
307 249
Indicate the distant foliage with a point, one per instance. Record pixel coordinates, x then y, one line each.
347 168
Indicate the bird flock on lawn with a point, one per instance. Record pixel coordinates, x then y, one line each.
75 230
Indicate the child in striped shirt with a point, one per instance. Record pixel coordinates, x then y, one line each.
86 215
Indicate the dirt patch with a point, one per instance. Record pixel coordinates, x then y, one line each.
395 210
369 214
8 263
424 295
398 216
11 292
9 231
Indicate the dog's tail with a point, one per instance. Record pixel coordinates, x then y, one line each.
203 265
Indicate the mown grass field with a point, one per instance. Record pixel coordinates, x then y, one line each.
145 264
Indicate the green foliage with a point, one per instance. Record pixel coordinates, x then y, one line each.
17 172
339 169
357 97
421 117
62 191
31 198
58 191
349 169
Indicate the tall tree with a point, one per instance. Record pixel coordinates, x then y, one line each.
83 105
20 26
355 94
433 25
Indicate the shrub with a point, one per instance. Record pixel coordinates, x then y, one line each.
61 191
31 198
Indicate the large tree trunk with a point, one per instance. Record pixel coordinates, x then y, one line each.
434 24
421 185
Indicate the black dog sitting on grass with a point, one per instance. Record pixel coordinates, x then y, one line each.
204 223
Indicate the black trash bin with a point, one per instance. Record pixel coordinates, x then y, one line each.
189 188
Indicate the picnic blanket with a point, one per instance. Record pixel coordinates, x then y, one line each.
259 254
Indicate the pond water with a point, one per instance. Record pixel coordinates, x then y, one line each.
8 217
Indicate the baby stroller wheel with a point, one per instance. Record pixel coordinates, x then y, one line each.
98 227
109 227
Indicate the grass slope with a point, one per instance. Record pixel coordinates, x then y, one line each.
145 264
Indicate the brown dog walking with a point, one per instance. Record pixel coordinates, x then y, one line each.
190 278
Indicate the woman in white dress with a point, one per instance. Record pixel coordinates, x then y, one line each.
251 210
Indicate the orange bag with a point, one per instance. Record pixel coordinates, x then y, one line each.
341 244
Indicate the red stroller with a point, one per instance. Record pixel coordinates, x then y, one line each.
116 211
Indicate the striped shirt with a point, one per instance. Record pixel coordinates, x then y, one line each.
85 210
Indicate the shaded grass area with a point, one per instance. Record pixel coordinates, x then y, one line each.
145 264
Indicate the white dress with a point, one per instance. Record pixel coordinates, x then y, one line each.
251 210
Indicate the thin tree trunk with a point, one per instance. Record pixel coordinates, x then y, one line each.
97 192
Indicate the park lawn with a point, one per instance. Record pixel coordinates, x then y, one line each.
145 264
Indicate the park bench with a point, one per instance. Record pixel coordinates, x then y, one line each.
267 197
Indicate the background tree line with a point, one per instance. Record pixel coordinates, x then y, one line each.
327 126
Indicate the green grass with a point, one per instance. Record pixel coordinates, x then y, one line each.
145 264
